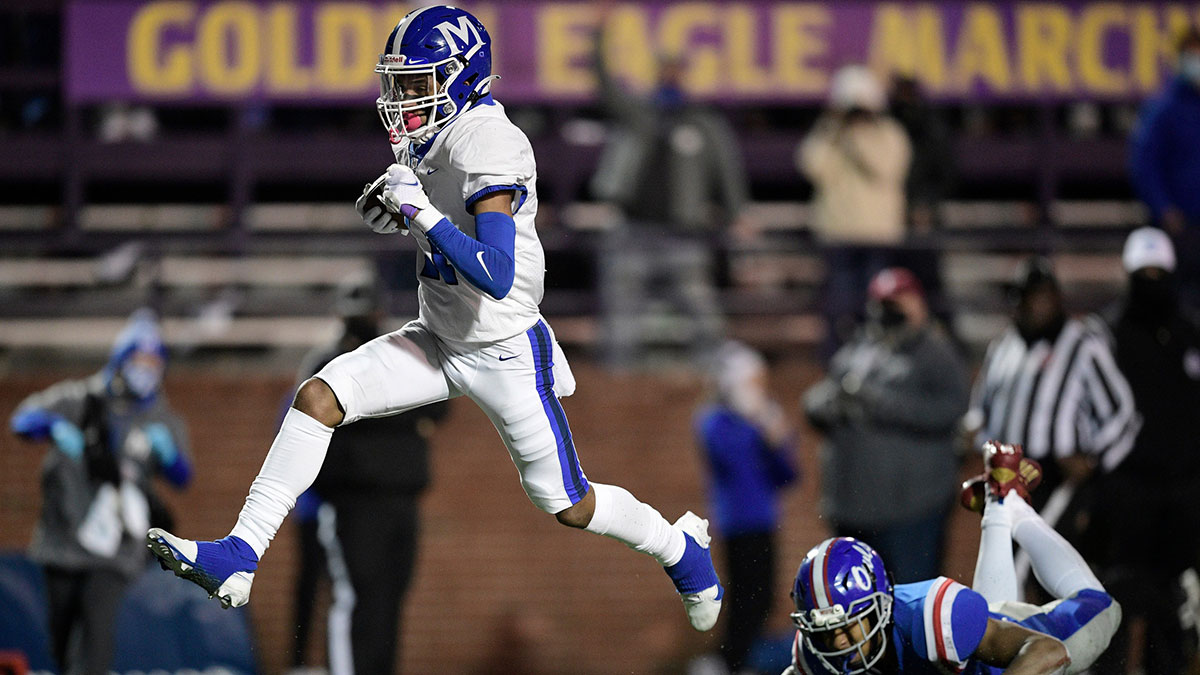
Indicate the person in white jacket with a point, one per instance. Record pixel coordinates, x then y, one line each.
857 158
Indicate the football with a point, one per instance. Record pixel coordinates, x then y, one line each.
374 192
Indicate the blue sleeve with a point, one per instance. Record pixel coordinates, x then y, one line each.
716 431
173 464
179 472
1146 160
943 620
33 423
488 261
969 618
779 463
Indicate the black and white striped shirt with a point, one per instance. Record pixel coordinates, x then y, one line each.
1057 399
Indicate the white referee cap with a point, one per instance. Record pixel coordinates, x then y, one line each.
1148 247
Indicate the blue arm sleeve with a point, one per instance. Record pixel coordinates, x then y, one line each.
33 423
488 261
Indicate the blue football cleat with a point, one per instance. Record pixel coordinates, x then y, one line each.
224 568
694 575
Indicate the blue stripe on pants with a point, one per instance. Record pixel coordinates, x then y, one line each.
1070 615
543 363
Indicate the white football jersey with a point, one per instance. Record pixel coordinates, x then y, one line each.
480 152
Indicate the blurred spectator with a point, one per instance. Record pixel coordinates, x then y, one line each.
889 408
674 168
857 158
932 169
1154 495
110 434
1050 384
748 443
928 183
1165 163
369 519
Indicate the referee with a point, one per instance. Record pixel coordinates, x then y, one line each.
1050 383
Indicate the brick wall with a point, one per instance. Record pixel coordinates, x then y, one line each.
500 586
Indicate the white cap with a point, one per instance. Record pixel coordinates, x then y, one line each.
1148 247
857 87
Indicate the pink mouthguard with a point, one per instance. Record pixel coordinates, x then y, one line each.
411 121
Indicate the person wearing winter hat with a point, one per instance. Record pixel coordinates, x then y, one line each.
1152 494
889 407
1164 162
748 445
857 158
109 434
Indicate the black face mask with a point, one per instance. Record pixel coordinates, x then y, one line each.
1049 331
1152 298
890 317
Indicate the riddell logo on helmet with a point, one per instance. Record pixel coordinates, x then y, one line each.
394 58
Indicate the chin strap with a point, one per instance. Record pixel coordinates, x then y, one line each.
482 89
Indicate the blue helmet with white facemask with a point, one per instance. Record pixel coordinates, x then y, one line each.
437 63
842 586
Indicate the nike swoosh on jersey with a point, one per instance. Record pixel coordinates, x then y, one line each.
430 171
508 358
479 257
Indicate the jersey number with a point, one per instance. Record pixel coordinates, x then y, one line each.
438 267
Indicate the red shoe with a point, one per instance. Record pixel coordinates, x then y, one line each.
974 494
1006 469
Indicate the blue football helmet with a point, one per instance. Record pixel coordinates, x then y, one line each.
842 586
436 65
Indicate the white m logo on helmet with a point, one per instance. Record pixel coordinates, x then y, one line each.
467 36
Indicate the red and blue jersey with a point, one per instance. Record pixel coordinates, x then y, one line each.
937 625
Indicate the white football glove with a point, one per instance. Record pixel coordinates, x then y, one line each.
404 195
371 209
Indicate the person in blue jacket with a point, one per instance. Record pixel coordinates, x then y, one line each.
109 434
1165 162
748 444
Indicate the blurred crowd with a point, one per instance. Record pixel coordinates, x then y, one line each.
1104 401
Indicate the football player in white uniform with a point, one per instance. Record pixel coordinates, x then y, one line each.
465 186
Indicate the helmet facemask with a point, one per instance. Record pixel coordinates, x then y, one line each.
414 99
871 615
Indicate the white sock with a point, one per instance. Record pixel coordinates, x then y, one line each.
619 515
995 576
291 466
1057 565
